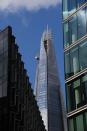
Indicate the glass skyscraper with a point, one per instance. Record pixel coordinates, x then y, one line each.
47 86
75 53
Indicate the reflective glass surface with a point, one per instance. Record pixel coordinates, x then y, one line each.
75 59
70 6
75 28
76 93
78 123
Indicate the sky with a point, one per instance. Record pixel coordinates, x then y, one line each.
28 19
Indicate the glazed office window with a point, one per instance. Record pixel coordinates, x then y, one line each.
74 62
79 123
73 29
67 64
71 125
71 6
81 16
68 92
65 9
84 86
1 68
66 33
83 55
1 47
77 92
80 2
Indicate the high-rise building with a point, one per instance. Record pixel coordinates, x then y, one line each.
75 55
47 85
18 107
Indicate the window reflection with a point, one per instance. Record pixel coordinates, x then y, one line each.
73 29
83 55
66 33
76 93
81 23
70 6
67 65
78 123
75 59
74 62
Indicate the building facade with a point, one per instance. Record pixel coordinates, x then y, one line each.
75 57
47 85
18 107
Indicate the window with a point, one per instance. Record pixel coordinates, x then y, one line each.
84 86
65 8
83 55
80 2
66 37
1 46
73 29
74 62
71 104
67 65
79 123
81 15
71 6
77 91
71 125
68 88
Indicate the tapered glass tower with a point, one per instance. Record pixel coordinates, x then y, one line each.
47 86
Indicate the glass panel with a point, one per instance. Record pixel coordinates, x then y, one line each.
68 97
71 125
71 6
84 86
80 2
66 37
79 123
81 23
76 86
65 9
74 62
67 65
83 55
1 69
73 29
86 120
1 46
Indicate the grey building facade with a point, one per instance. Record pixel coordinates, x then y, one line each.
47 86
18 107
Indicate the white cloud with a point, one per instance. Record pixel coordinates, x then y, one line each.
14 5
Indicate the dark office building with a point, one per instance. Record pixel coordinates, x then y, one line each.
18 107
75 53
